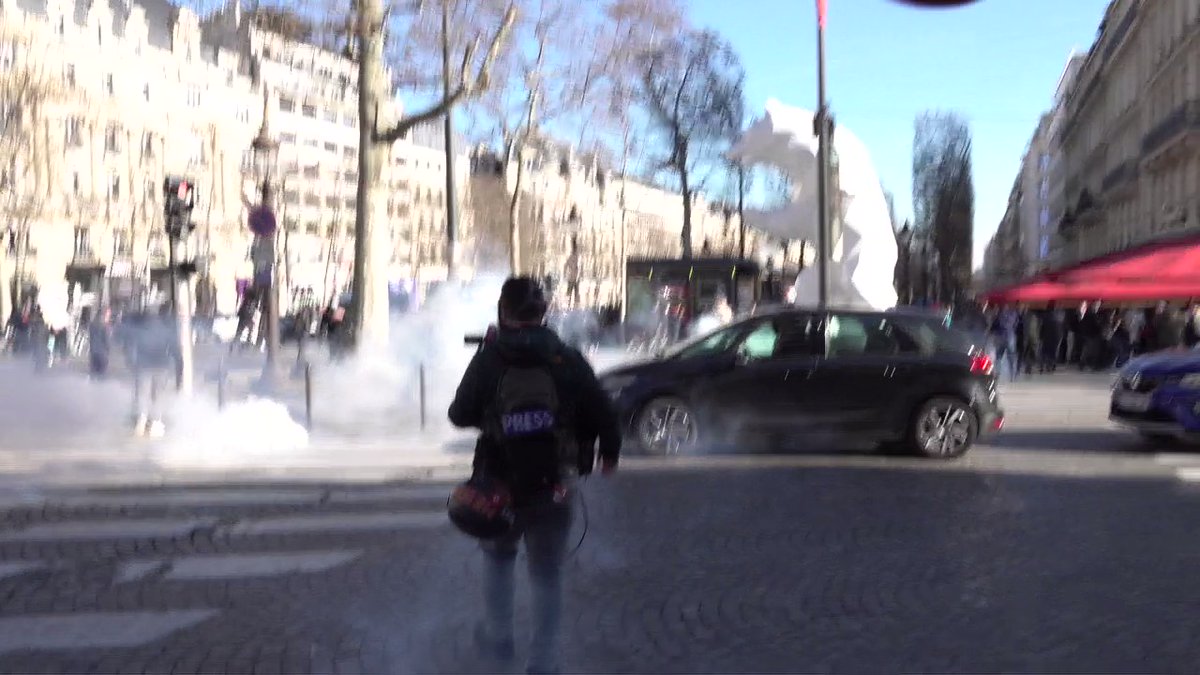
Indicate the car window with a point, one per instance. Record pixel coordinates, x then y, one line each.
800 335
760 342
707 345
857 335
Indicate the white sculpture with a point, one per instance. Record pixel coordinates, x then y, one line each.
863 261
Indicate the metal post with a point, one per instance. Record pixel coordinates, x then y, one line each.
221 385
271 298
308 403
421 393
451 196
822 122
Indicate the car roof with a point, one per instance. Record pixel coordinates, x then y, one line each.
915 312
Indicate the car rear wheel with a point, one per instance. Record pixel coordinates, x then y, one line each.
944 427
667 426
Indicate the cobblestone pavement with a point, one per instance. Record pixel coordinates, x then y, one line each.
1017 560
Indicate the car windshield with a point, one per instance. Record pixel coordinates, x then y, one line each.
705 344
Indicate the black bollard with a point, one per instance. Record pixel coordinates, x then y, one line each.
308 406
421 393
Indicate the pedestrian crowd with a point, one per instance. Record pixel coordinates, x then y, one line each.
1089 337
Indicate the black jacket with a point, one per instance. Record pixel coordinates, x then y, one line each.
591 411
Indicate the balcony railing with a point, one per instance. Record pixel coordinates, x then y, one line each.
1124 173
1177 123
1120 32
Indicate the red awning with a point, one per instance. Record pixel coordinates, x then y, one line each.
1165 271
1052 291
1175 262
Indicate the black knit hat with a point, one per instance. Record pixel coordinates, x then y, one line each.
522 299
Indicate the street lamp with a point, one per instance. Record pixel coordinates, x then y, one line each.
263 224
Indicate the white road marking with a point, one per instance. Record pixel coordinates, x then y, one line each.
239 566
1189 474
397 493
191 498
1177 459
12 569
134 570
339 522
108 529
94 630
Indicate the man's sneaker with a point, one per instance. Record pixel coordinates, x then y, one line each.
502 650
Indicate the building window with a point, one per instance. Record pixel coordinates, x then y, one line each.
312 172
349 120
287 105
70 76
123 243
146 92
331 116
149 192
62 26
74 136
193 97
312 143
332 202
112 139
349 152
291 197
287 138
147 145
311 199
75 187
83 242
331 147
351 202
114 188
308 111
108 84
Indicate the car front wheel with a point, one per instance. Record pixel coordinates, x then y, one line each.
943 428
667 426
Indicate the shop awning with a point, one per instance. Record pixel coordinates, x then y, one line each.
1171 262
1166 271
1036 292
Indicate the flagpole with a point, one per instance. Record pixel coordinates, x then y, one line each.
821 121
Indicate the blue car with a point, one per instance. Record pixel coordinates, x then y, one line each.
1158 395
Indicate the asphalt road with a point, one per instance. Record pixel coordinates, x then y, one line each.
1060 546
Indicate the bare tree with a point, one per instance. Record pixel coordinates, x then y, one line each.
372 248
944 200
692 90
537 82
25 91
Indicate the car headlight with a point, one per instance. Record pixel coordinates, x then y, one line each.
1191 381
613 385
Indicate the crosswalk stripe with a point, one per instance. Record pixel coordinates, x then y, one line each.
241 566
130 528
95 630
1189 474
337 522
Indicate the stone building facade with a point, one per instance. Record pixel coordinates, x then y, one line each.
1130 138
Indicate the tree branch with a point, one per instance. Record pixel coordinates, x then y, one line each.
467 87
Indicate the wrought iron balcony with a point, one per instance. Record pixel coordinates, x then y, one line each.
1121 179
1175 127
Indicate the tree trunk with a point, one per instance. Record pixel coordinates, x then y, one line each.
370 308
685 186
514 216
741 209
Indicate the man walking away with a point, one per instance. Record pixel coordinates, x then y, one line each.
540 410
155 355
1051 338
1031 327
100 339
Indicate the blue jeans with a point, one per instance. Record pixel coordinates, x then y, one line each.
545 528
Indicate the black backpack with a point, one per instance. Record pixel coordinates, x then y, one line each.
531 424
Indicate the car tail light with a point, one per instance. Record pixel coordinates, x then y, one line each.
982 364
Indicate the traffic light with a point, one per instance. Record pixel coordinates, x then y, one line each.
179 198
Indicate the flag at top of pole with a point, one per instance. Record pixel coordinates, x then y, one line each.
821 13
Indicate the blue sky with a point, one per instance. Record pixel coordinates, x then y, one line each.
996 62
